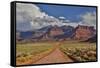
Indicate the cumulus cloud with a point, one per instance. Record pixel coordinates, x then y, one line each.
61 17
74 24
30 17
89 19
26 13
30 11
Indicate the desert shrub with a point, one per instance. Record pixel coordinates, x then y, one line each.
80 52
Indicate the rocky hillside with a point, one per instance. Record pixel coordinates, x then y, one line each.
59 33
84 32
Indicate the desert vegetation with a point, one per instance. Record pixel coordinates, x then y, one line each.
79 51
29 53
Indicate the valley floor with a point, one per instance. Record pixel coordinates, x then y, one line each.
55 52
54 57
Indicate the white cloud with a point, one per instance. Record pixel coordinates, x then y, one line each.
71 24
89 19
24 15
30 17
27 10
61 17
27 13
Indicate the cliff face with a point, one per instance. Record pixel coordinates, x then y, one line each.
52 32
55 31
58 33
84 32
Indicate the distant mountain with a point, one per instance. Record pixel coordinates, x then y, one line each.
44 29
59 32
68 31
56 32
84 32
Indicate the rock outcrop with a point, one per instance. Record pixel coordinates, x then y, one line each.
81 32
55 31
84 32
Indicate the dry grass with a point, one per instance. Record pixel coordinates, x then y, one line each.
29 53
79 51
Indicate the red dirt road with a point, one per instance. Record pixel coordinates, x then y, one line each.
54 57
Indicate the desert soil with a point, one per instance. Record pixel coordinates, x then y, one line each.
56 56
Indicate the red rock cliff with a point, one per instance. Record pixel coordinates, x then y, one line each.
84 32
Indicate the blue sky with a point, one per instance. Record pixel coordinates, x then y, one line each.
26 14
69 12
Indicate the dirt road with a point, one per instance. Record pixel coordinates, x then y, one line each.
54 57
